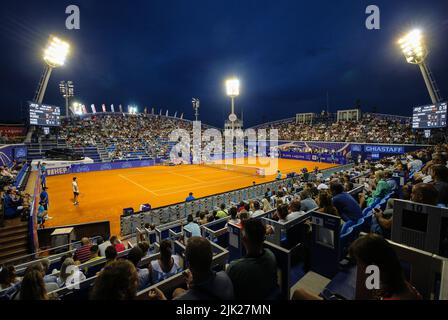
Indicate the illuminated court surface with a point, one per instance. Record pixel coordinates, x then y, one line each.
104 194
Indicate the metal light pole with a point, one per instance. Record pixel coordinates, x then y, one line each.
68 91
415 51
54 56
196 104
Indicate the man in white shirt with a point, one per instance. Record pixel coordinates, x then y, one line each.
294 211
75 191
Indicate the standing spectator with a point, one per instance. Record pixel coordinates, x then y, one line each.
254 276
44 198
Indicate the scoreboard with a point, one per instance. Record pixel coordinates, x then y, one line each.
430 116
44 115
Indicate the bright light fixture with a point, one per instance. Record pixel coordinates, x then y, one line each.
413 47
233 87
56 52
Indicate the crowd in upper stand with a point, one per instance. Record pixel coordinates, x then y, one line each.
123 134
370 129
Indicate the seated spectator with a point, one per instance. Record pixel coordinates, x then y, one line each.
295 210
117 281
203 217
374 250
346 205
425 193
102 245
282 213
382 188
266 205
192 227
307 203
234 216
190 197
222 213
167 265
33 287
326 204
135 255
254 277
145 247
94 254
203 283
393 186
257 209
82 254
110 254
8 277
46 268
70 275
439 174
117 244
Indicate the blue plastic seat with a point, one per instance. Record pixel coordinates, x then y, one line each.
345 239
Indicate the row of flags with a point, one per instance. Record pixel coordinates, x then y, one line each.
81 109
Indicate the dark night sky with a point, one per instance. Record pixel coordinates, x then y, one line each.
161 53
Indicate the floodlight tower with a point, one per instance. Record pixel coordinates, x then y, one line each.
196 104
415 51
68 91
233 91
54 56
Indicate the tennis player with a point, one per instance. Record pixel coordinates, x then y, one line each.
75 191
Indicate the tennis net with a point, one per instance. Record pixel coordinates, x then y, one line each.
251 171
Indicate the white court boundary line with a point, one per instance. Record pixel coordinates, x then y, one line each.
138 185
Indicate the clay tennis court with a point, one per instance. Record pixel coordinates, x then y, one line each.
104 194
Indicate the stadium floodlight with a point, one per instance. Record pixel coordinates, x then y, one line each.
56 52
54 56
133 110
415 51
77 108
233 87
233 90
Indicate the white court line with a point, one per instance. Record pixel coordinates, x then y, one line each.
138 185
188 177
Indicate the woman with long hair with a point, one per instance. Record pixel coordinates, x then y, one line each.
326 204
373 249
33 285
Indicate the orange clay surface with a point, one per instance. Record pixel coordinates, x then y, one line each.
104 194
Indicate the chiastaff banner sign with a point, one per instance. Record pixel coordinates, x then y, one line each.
384 149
